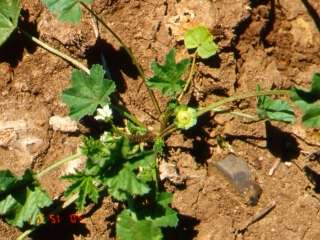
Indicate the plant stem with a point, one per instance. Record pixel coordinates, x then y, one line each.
130 53
75 196
25 234
190 76
57 52
57 164
236 113
219 103
128 115
215 107
167 131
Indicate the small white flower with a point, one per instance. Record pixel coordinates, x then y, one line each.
103 113
106 137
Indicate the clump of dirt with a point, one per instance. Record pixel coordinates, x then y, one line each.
275 44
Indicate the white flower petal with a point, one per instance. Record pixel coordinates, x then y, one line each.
103 113
100 112
99 117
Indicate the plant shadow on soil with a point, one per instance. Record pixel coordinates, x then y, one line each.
185 229
313 177
12 50
281 144
312 12
117 61
269 25
63 225
201 148
93 127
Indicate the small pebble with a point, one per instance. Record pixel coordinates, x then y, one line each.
63 124
288 164
238 173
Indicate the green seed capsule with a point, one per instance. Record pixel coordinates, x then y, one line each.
186 117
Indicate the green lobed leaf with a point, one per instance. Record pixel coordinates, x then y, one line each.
87 92
147 171
86 188
113 163
158 145
278 110
304 99
9 15
131 178
98 152
201 39
135 129
170 217
125 183
67 10
129 228
167 77
311 117
146 223
308 102
22 199
103 156
7 181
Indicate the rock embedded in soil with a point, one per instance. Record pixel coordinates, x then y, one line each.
210 14
63 124
24 133
170 171
238 173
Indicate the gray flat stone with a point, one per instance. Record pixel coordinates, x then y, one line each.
238 173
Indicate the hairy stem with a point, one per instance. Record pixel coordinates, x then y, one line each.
58 164
190 76
236 113
50 49
130 53
219 103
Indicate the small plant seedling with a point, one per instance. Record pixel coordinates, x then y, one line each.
122 162
201 39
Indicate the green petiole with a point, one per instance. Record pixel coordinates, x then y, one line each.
219 103
58 164
192 70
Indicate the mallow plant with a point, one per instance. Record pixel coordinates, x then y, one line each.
122 162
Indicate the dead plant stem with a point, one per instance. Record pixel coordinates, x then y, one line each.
54 51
